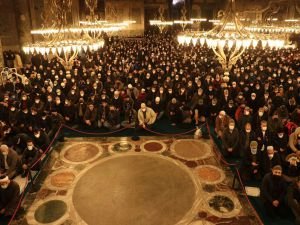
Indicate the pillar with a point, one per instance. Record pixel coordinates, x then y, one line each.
1 56
23 20
75 12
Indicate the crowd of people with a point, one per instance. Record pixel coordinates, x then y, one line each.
137 82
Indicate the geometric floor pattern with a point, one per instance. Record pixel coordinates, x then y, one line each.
116 181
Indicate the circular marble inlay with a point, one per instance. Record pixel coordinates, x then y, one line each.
81 153
153 146
60 179
121 147
209 174
50 211
223 204
136 189
190 149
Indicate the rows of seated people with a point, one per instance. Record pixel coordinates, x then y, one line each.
136 83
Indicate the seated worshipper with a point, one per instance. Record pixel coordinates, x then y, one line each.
259 116
200 113
158 108
68 111
293 199
132 92
274 123
230 139
19 143
213 109
90 115
103 111
41 140
263 136
270 158
292 170
246 117
221 123
113 119
13 115
273 191
80 109
294 141
251 163
38 104
146 116
230 108
173 111
56 120
130 114
9 196
295 116
280 143
246 136
186 115
9 162
117 101
29 157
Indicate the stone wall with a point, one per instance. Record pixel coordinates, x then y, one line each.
119 10
8 25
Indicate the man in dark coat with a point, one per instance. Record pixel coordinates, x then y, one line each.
29 157
293 199
270 158
273 191
251 163
230 139
9 196
41 139
9 161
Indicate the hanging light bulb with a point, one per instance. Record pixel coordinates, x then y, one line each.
202 41
194 41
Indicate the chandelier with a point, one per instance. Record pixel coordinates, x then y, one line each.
60 40
94 26
288 26
161 23
183 22
229 39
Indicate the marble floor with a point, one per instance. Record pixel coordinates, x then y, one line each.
153 181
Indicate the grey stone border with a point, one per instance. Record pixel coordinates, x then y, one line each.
164 146
189 216
205 156
30 215
220 180
98 146
237 206
112 152
48 179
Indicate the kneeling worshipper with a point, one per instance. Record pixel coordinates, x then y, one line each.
273 191
146 116
9 196
9 162
293 199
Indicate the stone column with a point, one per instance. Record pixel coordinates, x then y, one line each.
75 12
23 19
1 56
